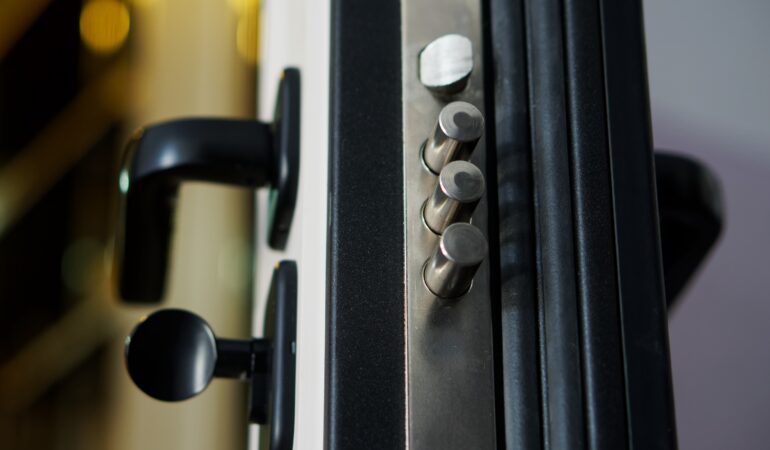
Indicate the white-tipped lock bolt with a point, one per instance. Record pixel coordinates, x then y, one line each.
458 129
449 272
458 190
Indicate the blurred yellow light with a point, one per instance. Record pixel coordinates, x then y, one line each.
81 267
247 39
243 6
104 25
144 3
234 265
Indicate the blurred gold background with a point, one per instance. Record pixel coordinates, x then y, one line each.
76 77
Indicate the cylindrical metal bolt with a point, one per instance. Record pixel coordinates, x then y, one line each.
459 188
446 64
459 253
458 129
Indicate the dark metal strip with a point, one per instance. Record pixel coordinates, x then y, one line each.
643 311
365 404
602 363
562 386
516 330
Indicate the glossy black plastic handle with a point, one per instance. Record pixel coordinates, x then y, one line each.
158 158
237 152
173 355
691 213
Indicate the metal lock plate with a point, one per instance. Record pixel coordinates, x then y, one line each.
449 344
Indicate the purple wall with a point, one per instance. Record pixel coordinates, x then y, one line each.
709 64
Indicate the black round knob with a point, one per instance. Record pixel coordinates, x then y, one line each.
171 355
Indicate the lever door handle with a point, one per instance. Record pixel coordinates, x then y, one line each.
691 214
238 152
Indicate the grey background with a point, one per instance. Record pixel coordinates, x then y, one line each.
709 69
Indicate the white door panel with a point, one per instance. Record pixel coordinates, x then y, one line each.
296 33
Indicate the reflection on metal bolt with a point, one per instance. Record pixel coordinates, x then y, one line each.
458 129
446 64
459 253
459 188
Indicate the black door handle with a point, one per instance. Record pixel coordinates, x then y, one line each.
238 152
691 213
173 355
